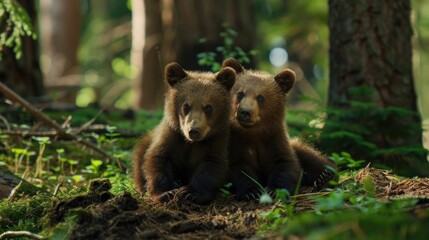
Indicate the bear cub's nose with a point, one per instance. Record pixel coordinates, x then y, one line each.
194 133
244 115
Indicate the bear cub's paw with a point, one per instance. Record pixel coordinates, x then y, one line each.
251 194
165 183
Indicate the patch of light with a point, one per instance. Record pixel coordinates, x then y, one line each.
85 96
278 56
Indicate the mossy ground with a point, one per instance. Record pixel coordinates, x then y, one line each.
93 212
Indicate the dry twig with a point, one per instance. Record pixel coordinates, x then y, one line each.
16 234
87 124
14 191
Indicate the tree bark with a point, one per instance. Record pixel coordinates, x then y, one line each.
60 25
370 44
146 51
24 75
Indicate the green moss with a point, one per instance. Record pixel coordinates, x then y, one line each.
24 214
368 185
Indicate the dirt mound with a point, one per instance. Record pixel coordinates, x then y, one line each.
100 215
389 186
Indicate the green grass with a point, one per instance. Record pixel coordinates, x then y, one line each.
23 214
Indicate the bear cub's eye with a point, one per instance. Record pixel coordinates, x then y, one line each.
260 98
186 108
240 95
208 109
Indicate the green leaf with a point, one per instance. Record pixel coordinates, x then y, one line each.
96 163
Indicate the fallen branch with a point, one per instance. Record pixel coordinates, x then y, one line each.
16 234
29 133
88 124
97 128
61 132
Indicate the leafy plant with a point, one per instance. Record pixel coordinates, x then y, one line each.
344 159
370 128
227 50
15 24
354 224
285 212
43 141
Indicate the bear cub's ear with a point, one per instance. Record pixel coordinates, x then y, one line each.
234 64
285 79
226 77
174 73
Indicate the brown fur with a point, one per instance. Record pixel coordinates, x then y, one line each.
187 152
259 145
314 164
139 150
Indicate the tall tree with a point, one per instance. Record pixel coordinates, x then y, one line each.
147 28
370 45
22 75
173 29
60 25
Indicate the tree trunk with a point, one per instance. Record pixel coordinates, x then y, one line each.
146 51
370 45
24 75
60 28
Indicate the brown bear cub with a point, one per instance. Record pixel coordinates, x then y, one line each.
186 153
259 147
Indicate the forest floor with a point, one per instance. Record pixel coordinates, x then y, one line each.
105 216
368 203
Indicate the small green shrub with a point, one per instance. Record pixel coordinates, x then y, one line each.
345 160
227 50
366 131
377 134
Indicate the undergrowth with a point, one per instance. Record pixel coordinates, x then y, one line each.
384 223
52 164
348 211
380 135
